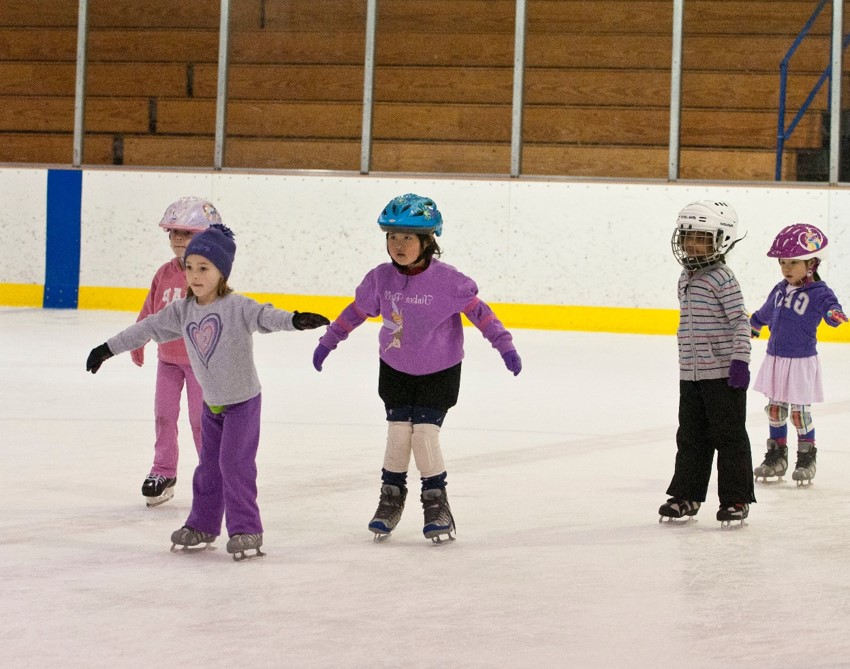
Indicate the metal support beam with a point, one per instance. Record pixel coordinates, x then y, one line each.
80 85
675 91
221 89
835 91
368 87
519 82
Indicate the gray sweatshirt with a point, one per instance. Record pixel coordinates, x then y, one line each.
218 339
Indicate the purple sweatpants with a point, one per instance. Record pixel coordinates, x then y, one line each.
169 387
225 483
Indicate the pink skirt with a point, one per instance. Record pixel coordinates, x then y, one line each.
792 380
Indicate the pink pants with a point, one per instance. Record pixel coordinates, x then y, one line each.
169 386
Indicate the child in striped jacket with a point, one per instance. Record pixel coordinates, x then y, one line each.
714 357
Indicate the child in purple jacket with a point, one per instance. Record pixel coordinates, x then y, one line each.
791 373
420 300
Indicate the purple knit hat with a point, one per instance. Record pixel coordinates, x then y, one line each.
216 245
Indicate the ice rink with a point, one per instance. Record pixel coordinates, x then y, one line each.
555 478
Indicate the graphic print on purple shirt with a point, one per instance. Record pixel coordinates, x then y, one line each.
204 336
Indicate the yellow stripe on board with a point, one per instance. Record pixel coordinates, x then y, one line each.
532 316
21 295
115 299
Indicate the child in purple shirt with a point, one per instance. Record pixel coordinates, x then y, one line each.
420 300
790 375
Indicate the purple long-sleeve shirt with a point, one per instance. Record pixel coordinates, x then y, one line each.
793 316
422 331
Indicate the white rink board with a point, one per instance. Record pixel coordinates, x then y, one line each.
584 243
23 233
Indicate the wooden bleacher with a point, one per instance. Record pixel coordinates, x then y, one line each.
597 85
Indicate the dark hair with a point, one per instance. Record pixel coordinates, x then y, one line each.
430 247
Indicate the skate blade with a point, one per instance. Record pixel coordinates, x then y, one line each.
732 524
670 520
804 483
380 537
437 538
241 556
769 480
152 502
191 549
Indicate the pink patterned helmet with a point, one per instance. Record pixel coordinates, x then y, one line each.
800 241
191 213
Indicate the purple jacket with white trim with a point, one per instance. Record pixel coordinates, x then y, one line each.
793 317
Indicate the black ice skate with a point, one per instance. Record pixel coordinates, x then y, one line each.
439 521
190 540
158 489
775 463
677 509
735 512
389 511
807 464
239 543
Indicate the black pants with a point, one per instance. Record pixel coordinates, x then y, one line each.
712 417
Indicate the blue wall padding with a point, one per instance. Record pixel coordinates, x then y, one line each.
62 274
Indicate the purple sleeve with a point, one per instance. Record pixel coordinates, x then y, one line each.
762 317
831 303
481 316
350 318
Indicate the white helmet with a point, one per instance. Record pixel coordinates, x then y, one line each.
718 219
191 213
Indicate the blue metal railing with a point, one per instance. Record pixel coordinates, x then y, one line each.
784 133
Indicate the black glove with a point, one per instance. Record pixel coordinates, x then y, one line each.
97 357
307 321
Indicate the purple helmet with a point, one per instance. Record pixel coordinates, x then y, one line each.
800 241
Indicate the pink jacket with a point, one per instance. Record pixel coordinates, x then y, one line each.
168 285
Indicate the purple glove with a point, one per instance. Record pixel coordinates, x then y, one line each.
739 375
319 356
512 361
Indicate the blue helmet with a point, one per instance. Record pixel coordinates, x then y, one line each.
411 213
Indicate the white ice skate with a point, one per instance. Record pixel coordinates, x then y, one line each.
158 489
239 543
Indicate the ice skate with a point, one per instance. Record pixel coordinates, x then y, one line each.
158 489
735 512
190 539
807 464
239 543
775 463
439 522
389 511
677 509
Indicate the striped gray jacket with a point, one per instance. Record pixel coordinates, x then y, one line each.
714 327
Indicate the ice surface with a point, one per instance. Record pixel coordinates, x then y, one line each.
555 478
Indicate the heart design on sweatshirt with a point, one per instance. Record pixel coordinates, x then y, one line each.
204 336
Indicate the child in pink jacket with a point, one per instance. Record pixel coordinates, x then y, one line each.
184 218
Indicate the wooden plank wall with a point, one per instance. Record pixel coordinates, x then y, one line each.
596 91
